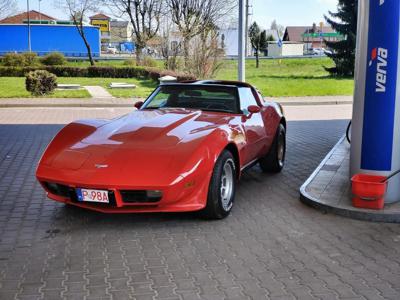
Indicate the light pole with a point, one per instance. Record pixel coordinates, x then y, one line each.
29 27
241 42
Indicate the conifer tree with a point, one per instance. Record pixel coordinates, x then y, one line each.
344 50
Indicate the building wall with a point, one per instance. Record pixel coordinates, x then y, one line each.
49 38
292 49
231 42
121 34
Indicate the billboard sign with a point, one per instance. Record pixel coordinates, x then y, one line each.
104 25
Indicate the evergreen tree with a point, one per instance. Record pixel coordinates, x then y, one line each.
344 50
258 40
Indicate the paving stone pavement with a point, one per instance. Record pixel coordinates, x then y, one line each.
271 247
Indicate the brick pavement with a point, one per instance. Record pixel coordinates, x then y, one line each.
271 247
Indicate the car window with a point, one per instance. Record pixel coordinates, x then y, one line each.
159 100
246 99
208 98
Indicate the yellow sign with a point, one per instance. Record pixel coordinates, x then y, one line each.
104 25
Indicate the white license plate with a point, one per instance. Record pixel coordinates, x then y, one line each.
87 195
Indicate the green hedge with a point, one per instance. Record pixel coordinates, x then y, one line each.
102 72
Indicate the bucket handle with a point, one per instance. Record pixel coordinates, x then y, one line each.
390 177
369 198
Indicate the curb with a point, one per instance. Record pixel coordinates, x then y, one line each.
301 103
372 216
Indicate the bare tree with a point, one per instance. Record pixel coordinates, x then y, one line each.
77 10
144 16
169 47
191 17
7 7
206 54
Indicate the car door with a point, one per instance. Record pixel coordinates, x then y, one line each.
253 126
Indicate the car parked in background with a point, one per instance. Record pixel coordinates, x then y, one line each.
112 50
183 149
320 51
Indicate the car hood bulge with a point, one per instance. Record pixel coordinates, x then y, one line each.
147 129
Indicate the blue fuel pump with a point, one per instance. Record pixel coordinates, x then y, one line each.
375 132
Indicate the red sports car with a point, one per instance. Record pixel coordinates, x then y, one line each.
182 150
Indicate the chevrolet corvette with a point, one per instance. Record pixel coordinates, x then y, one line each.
183 149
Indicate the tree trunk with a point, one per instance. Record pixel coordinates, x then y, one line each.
139 54
257 60
82 34
89 51
186 42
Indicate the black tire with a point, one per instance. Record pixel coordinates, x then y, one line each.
274 161
219 207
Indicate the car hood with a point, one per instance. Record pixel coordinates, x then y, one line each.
150 129
140 144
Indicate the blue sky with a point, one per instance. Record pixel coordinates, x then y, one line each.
286 12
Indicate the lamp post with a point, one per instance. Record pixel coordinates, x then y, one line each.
29 27
241 42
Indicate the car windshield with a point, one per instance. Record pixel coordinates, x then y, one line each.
207 98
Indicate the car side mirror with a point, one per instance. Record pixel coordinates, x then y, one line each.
139 104
253 109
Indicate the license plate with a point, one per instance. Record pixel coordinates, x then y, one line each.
87 195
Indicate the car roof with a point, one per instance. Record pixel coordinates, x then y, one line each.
218 82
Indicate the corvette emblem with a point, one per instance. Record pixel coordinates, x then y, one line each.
101 166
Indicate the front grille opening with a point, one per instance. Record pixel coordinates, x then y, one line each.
140 196
57 189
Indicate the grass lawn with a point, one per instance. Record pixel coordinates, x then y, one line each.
142 90
14 87
274 78
290 77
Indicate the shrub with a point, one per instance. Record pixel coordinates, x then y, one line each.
13 60
40 82
30 58
147 61
130 63
102 72
53 59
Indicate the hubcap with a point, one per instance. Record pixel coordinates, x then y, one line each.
227 182
281 149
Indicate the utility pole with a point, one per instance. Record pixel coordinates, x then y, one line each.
241 42
29 27
247 29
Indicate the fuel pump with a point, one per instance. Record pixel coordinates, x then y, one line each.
375 133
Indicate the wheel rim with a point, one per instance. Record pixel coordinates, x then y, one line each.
227 182
281 149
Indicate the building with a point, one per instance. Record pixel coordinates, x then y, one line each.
121 32
311 36
47 35
103 22
47 38
276 49
23 18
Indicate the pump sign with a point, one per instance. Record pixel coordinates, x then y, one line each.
380 92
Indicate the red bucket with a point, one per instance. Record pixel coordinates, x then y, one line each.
368 191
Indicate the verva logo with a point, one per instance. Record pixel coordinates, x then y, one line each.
380 55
